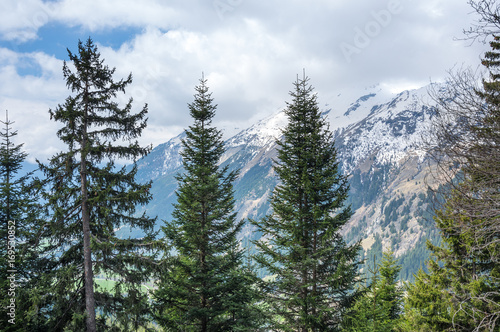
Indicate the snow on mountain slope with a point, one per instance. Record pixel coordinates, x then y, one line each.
385 126
262 134
164 159
349 107
375 114
378 122
391 131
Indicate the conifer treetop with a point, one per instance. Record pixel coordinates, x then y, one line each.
91 115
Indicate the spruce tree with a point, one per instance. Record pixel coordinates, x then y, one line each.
204 286
22 225
460 290
11 159
369 313
428 305
313 270
464 272
390 292
90 198
380 306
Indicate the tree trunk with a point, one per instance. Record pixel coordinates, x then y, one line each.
87 253
315 270
204 320
87 256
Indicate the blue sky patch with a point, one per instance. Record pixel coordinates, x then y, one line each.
54 39
28 67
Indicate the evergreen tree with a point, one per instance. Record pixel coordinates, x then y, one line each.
21 228
203 286
464 272
380 306
90 198
390 292
11 158
455 294
428 306
369 313
314 271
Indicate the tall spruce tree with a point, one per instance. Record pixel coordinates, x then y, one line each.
21 263
90 198
315 271
204 286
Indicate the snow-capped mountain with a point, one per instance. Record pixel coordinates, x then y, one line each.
377 136
393 129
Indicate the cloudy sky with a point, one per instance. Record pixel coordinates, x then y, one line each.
249 50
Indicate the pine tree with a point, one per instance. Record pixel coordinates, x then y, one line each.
470 218
90 198
21 229
314 271
203 286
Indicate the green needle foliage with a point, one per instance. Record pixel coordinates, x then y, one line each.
380 306
204 286
314 271
20 233
428 304
90 198
390 292
461 291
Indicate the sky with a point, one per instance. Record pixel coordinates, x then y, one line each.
250 52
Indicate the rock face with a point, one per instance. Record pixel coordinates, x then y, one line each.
377 137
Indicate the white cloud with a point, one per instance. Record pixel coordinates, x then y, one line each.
97 14
20 20
28 99
249 51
